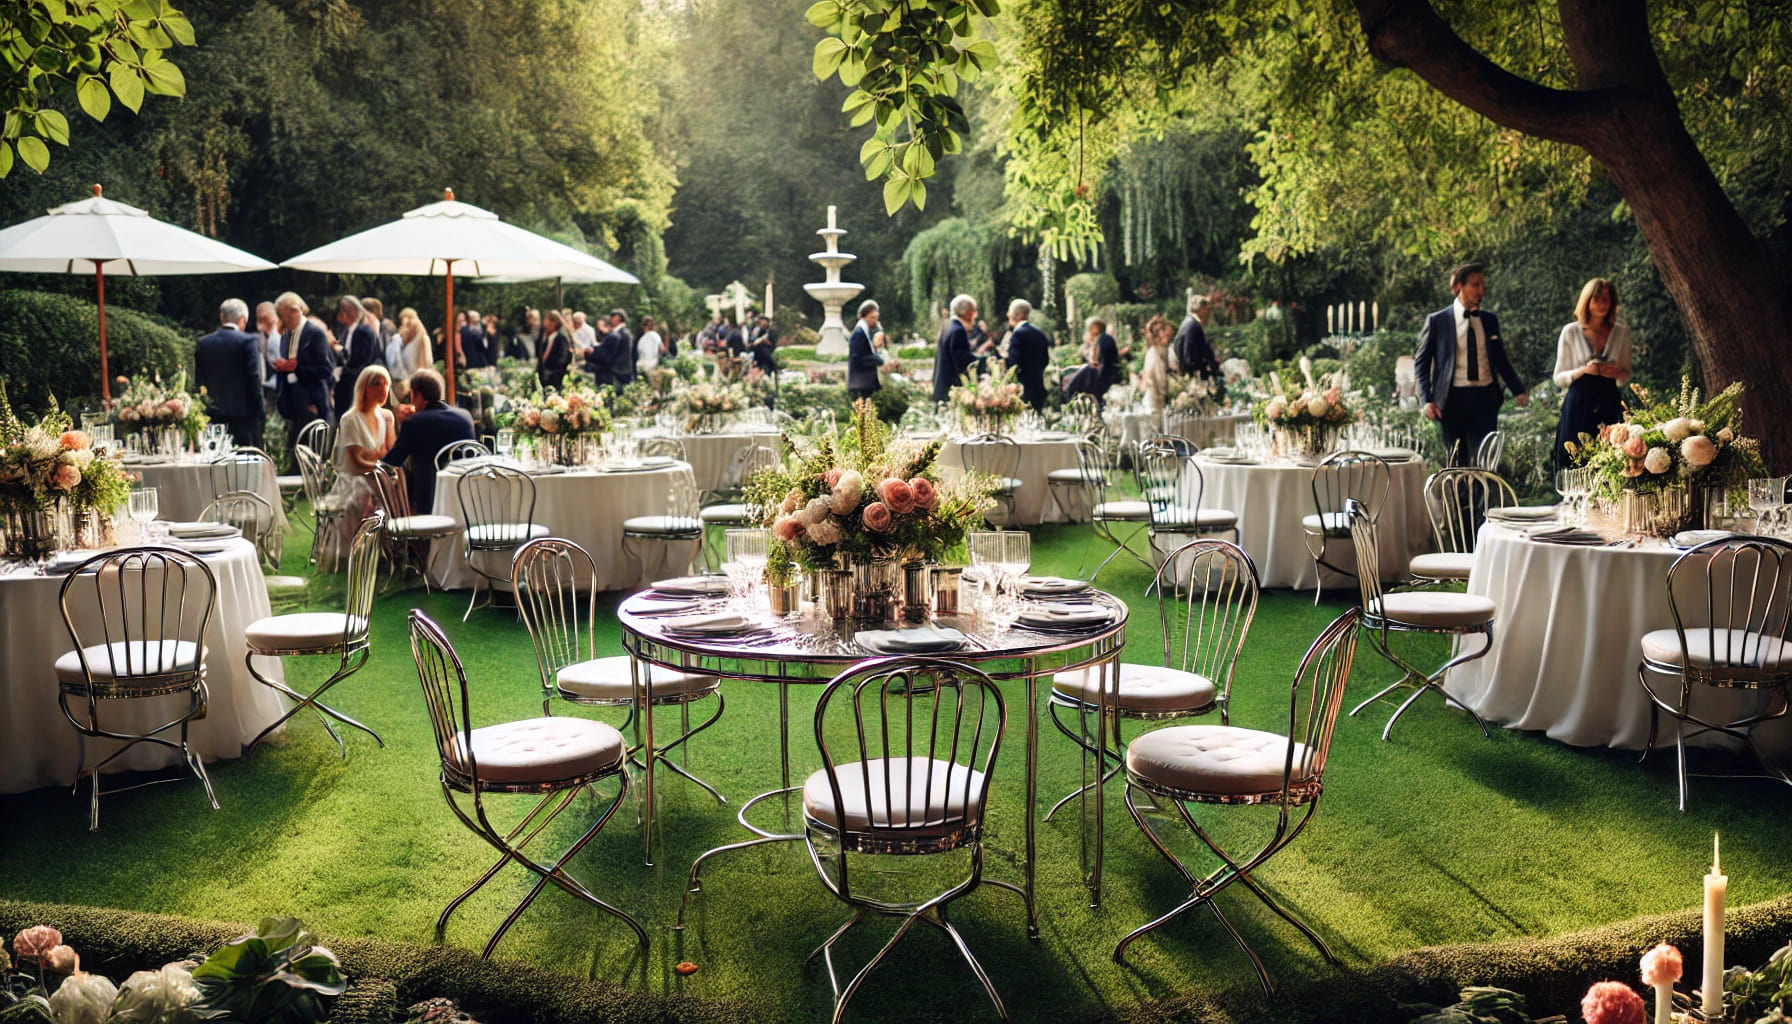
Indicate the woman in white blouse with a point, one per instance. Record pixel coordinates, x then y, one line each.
1154 380
1592 363
363 436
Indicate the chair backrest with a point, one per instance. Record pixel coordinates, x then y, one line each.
454 451
1206 598
990 455
318 475
1099 462
1081 413
497 504
1317 694
1731 600
1493 446
1344 476
1173 441
668 447
317 435
150 602
242 469
389 491
944 720
250 513
682 496
1172 486
444 682
1363 534
748 460
544 576
1457 499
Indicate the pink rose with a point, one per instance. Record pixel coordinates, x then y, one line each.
75 440
877 517
1635 447
830 478
575 402
788 529
898 495
532 417
1662 966
1612 1002
926 495
1334 395
62 960
35 941
174 406
66 477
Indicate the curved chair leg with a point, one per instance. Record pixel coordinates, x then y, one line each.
660 754
302 701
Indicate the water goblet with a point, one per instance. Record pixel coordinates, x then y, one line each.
1015 556
745 550
506 443
145 503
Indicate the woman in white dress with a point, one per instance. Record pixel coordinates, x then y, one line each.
1154 380
415 341
363 436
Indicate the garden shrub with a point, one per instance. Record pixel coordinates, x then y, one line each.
49 345
1092 290
788 354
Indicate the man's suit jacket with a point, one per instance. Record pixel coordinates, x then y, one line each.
473 351
1435 363
861 360
419 439
360 350
1108 352
619 344
952 357
308 397
1194 356
1029 350
227 364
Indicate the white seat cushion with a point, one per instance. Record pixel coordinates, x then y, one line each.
1219 760
540 750
1123 510
134 658
1171 517
1432 608
300 631
1151 688
290 483
286 583
608 679
669 525
1442 565
1073 476
506 533
1337 524
421 526
729 513
912 799
1733 647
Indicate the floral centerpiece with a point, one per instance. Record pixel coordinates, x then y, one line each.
1199 395
148 406
1305 419
704 404
1662 452
49 470
988 404
564 421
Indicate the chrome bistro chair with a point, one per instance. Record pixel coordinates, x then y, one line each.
240 469
137 617
1342 477
995 458
1071 490
1174 487
677 532
262 527
1457 501
1223 765
342 635
1731 600
1440 613
326 509
1100 463
554 758
497 504
455 451
406 532
907 748
727 508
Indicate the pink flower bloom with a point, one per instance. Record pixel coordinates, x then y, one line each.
830 478
824 533
35 941
926 495
75 440
1662 966
66 477
175 406
1726 435
877 517
62 960
532 418
898 495
1636 447
788 529
1698 450
1612 1002
1334 395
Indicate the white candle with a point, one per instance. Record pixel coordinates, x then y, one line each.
1331 313
1664 1003
1375 316
830 218
1362 317
768 299
1717 885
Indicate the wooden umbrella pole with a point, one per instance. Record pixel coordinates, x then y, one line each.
99 277
450 337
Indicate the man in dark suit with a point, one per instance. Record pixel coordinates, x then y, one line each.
360 347
227 368
422 435
475 352
600 362
302 392
1029 350
861 358
1194 356
1460 354
952 353
619 345
765 346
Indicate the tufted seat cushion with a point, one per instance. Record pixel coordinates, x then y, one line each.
1442 565
134 658
542 750
421 526
1172 517
1149 688
608 679
301 631
1735 647
1126 510
1074 476
733 512
1337 524
1221 760
669 526
516 534
909 802
1435 609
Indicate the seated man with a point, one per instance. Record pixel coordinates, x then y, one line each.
422 435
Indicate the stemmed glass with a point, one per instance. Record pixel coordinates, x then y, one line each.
745 561
1015 556
145 503
506 443
985 549
1766 495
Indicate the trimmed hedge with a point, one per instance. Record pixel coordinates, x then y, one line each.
50 345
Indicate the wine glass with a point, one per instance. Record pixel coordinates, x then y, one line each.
145 503
1015 557
1765 496
746 554
985 549
506 443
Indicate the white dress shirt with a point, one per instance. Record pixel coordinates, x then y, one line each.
1574 350
647 350
1470 330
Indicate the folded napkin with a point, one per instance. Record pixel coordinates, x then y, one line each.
1567 535
203 531
1523 513
199 546
919 640
658 460
1063 616
692 585
1045 585
709 623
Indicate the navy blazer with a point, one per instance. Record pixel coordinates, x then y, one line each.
1107 351
227 365
1029 350
861 360
308 397
1194 355
619 344
361 349
419 439
474 352
951 359
1435 363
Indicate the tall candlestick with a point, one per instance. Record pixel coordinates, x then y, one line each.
768 300
830 218
1717 885
1362 317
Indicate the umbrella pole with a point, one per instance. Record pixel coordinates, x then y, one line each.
99 278
450 337
559 293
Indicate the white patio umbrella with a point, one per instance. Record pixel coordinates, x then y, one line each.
100 231
571 273
433 239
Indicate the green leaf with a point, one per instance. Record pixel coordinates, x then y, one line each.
53 126
127 86
149 36
5 158
164 78
895 194
880 164
95 98
35 154
180 28
829 53
825 14
140 10
15 123
919 195
871 148
852 71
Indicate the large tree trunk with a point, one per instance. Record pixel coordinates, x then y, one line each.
1625 116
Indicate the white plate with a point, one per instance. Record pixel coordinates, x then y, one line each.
658 460
1064 616
710 624
1046 586
1523 513
202 547
203 531
699 585
919 640
1394 454
1693 538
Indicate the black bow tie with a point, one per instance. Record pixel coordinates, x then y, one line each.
1471 312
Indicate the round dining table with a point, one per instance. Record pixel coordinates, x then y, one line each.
1039 456
1568 637
1273 496
38 747
587 505
184 486
807 647
710 454
1204 431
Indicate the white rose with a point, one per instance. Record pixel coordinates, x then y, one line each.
1318 406
1658 461
817 510
1698 451
1677 429
1636 429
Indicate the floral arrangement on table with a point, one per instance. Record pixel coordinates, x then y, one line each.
1306 415
757 387
1199 395
699 403
1684 442
147 405
48 464
988 403
575 411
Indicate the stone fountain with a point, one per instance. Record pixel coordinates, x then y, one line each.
832 293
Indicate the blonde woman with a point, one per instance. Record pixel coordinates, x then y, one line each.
415 341
363 435
1154 380
1592 363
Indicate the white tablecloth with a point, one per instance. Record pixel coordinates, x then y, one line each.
709 454
1033 502
1271 499
587 507
1568 639
1204 431
38 746
186 488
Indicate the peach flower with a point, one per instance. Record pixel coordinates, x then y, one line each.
1726 435
824 533
35 941
877 517
1698 450
1612 1002
1662 966
898 495
75 440
788 529
1636 447
926 495
62 960
848 489
1658 461
831 477
66 477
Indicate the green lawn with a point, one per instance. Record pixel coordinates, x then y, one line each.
1439 836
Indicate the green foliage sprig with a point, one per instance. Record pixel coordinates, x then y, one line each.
276 974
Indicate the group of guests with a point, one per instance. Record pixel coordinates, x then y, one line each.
757 342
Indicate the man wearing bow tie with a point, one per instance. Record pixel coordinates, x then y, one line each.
1461 364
